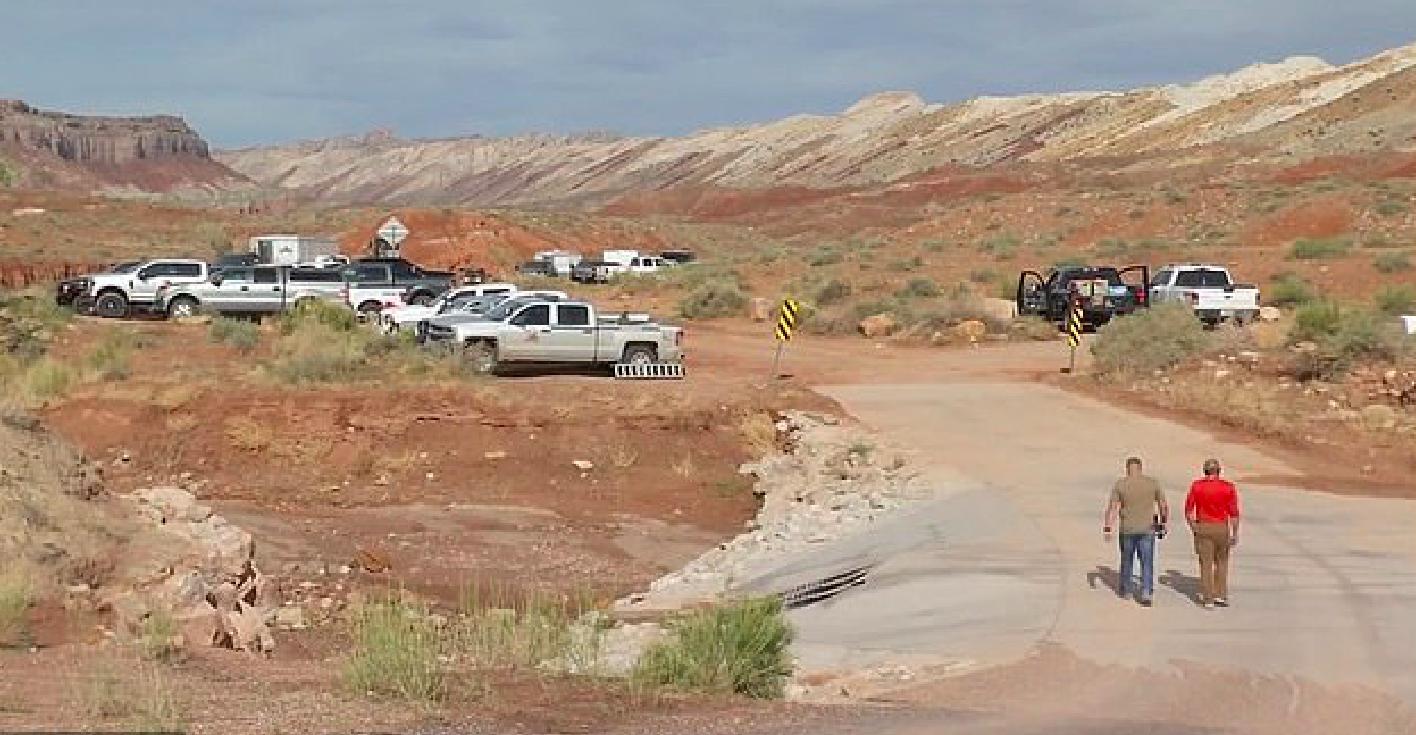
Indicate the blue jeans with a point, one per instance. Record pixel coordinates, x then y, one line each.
1133 545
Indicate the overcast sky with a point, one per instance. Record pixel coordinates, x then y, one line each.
263 71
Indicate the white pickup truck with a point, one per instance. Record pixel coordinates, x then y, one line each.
568 332
1208 290
398 318
116 295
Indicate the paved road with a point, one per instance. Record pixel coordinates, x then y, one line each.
1010 557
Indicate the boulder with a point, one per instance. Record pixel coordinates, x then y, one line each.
1269 314
1003 310
879 325
761 309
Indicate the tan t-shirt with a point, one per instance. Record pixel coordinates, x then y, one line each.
1140 498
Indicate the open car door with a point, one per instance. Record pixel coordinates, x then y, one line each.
1032 294
1138 283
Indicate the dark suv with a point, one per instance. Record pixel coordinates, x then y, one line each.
1103 291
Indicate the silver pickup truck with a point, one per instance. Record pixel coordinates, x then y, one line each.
570 332
250 290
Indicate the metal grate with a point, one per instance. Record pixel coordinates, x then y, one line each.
649 371
824 589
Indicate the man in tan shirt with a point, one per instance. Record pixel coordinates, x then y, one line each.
1140 505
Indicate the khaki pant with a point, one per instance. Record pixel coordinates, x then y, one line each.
1212 546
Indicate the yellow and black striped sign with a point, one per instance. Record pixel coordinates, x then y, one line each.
787 316
1074 325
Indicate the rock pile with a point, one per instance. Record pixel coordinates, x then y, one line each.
209 584
832 482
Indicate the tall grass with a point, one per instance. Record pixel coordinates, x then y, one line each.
395 652
111 357
741 648
501 627
136 694
16 595
1320 248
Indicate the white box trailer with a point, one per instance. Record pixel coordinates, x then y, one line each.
619 257
292 249
561 260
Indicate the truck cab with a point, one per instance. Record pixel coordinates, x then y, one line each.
119 294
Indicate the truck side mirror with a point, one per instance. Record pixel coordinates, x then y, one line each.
216 279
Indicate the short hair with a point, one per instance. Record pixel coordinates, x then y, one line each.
1133 461
1211 467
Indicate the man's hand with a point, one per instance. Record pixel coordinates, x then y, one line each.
1233 540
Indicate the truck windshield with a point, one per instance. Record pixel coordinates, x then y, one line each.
1202 278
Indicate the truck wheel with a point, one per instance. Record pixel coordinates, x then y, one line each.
640 355
369 311
111 305
182 307
482 358
421 299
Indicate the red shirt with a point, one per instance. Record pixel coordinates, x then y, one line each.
1212 500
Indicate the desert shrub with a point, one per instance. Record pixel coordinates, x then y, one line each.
739 648
1289 290
1391 208
316 352
1069 262
1342 337
1001 247
983 275
712 300
44 379
833 291
16 595
395 651
1320 248
1396 299
907 265
136 693
336 316
159 639
1315 320
111 356
1393 262
824 255
1033 328
240 334
1155 339
918 288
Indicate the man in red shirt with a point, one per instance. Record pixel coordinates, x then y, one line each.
1212 508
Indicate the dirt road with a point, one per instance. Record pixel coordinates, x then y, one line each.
1005 577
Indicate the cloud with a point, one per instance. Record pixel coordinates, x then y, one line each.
273 70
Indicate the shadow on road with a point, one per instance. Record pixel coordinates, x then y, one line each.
1106 576
1182 583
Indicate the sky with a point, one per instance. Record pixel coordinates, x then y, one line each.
251 72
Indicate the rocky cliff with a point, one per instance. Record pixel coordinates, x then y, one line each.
1296 108
151 153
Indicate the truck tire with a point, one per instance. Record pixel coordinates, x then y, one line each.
640 355
182 307
422 298
111 305
369 310
481 357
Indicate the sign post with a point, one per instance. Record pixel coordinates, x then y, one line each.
1074 334
787 316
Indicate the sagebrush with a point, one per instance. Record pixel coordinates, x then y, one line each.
1153 339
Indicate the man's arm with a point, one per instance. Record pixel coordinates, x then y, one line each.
1233 517
1113 512
1164 508
1190 514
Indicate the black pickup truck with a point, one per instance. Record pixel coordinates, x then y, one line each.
1104 291
418 285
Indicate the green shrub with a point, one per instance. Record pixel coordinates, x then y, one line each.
712 300
110 358
337 316
159 640
240 334
734 649
918 288
1289 290
395 653
824 255
983 275
831 292
501 626
1396 299
1320 248
46 378
907 265
1393 262
1316 320
1001 247
1391 208
1155 339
